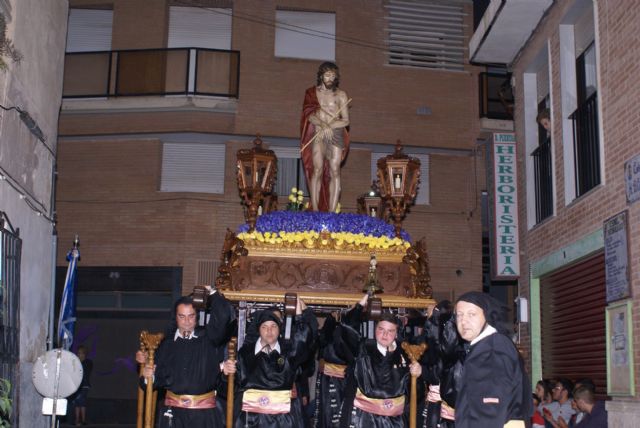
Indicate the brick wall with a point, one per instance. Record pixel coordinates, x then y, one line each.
140 226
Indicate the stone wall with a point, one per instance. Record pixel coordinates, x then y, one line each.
33 84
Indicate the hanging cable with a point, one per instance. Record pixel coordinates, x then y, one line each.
30 200
31 125
289 27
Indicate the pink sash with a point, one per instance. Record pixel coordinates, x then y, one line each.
267 402
379 406
184 401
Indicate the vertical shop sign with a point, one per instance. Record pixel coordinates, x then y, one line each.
506 247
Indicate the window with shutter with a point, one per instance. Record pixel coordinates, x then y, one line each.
89 30
538 140
427 34
193 168
582 150
196 27
306 35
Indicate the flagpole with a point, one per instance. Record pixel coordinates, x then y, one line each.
67 309
52 299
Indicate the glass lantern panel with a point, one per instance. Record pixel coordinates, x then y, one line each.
411 181
263 169
260 170
372 207
398 175
241 178
247 172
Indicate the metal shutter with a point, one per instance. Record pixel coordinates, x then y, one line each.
426 34
193 168
89 30
197 27
307 35
573 304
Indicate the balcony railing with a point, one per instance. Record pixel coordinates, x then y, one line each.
586 145
543 180
175 71
496 98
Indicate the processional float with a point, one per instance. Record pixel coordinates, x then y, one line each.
326 259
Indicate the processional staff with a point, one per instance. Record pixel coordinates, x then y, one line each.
139 419
231 350
414 352
151 343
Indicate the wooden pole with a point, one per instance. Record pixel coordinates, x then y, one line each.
414 352
230 381
140 390
149 394
151 343
154 403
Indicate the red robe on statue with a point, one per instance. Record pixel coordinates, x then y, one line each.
307 131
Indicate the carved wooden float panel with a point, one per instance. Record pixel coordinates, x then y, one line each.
318 275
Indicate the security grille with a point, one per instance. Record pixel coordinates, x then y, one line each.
10 251
573 304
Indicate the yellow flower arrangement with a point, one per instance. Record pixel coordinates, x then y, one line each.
296 199
312 239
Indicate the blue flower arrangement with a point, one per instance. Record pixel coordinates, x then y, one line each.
306 221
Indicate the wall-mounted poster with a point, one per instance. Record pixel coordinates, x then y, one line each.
616 257
632 179
620 373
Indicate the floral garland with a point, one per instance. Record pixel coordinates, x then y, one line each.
310 228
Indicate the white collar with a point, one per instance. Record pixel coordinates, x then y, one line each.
192 335
384 350
488 331
259 346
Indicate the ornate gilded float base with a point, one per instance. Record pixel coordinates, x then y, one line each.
253 271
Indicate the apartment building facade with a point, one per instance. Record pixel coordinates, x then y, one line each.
578 187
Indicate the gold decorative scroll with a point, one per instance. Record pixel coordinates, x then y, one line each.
272 250
325 244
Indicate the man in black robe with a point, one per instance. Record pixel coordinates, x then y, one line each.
377 386
267 369
330 382
444 358
188 365
494 389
